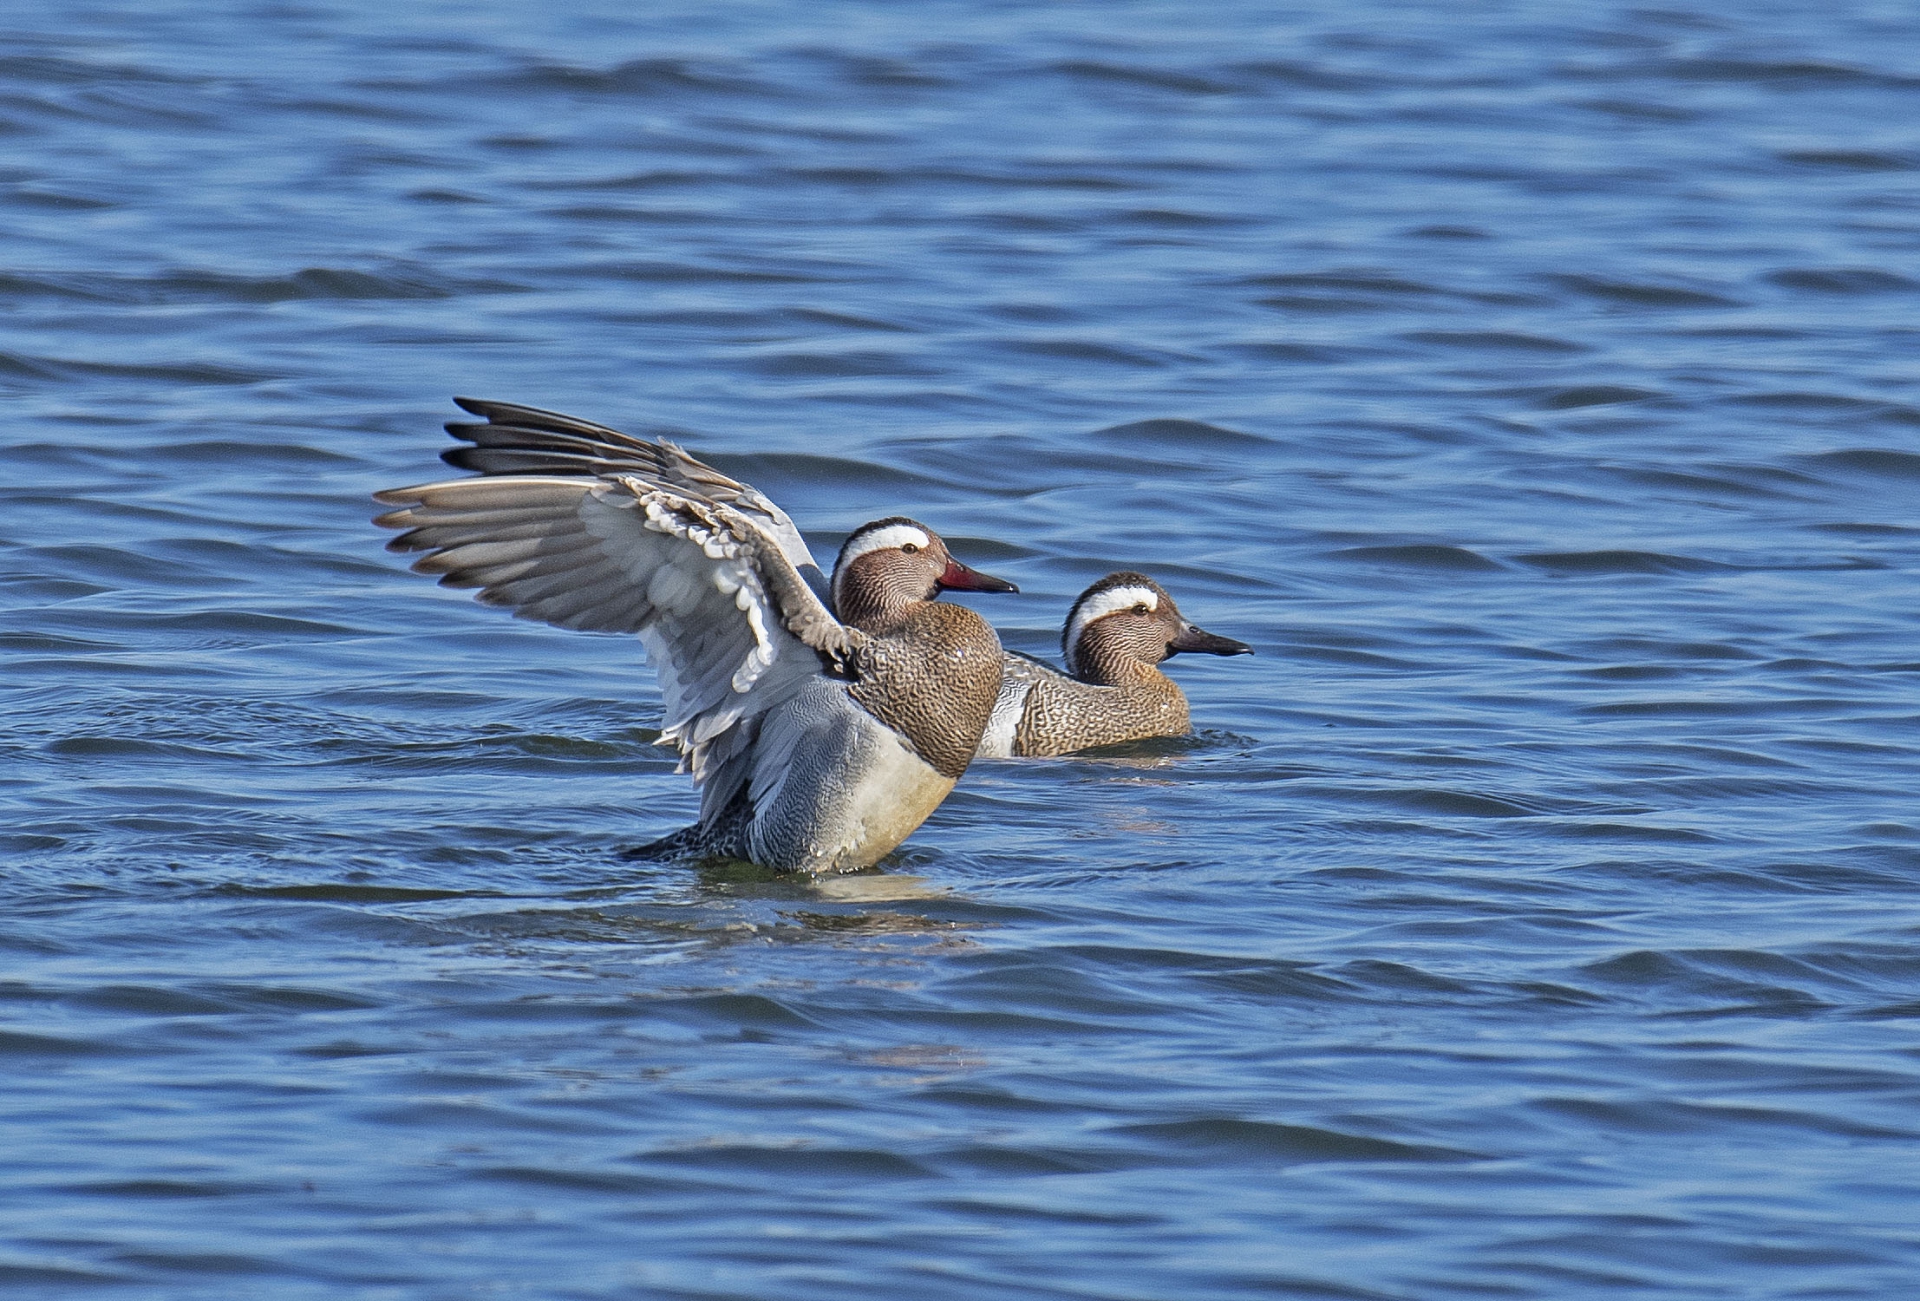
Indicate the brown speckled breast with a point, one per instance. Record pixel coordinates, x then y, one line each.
934 680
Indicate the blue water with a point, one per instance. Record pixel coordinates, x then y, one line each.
1536 915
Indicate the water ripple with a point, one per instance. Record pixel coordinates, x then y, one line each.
1526 917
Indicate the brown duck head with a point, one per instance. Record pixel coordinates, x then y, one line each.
1126 620
888 566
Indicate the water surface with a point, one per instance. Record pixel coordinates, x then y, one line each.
1534 916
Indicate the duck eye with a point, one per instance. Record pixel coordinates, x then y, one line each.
1140 608
909 547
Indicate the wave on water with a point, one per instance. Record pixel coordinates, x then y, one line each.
1527 917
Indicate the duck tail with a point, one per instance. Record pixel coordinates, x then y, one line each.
688 842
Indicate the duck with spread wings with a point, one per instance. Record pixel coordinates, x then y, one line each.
822 722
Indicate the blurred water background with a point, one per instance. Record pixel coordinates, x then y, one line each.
1532 384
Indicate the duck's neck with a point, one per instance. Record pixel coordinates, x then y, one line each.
874 610
1106 665
876 594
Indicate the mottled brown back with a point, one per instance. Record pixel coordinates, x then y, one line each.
1062 715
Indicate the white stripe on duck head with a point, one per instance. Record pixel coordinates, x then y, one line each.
1126 618
889 565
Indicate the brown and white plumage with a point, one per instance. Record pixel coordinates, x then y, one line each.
1116 635
784 714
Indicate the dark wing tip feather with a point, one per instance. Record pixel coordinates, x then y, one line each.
507 460
526 440
533 418
556 457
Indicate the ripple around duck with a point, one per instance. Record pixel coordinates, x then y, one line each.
61 1276
15 1043
828 1164
1696 484
121 564
272 449
1495 340
339 892
1631 293
1882 462
1593 395
1143 77
802 470
691 273
1852 160
1843 280
1238 1141
643 78
1429 557
310 283
840 364
15 366
1179 436
171 372
1090 350
1619 562
1796 72
56 201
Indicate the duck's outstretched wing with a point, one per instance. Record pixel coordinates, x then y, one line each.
517 440
730 625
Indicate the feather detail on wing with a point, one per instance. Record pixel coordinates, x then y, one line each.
517 440
731 628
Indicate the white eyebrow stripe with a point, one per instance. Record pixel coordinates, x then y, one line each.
893 535
1111 601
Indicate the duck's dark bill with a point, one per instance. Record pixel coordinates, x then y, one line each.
959 578
1198 639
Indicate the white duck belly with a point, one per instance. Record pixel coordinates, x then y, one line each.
834 789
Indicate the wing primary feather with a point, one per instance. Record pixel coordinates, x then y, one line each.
528 588
508 492
573 524
505 517
490 554
519 440
435 536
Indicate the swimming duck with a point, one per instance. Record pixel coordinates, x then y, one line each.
1116 636
819 742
